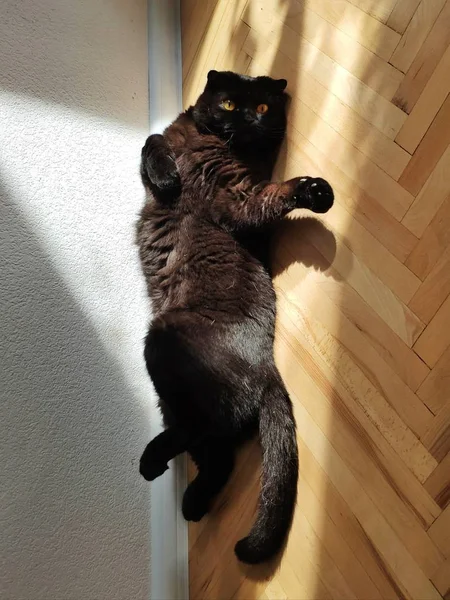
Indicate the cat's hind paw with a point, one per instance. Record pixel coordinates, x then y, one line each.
195 503
150 469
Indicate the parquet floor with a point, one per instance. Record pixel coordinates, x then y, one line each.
363 338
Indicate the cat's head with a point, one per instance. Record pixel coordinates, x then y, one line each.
248 110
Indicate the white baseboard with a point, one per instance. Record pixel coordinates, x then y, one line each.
168 530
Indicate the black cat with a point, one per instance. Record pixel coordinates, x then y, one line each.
203 238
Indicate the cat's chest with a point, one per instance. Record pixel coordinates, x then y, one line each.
206 169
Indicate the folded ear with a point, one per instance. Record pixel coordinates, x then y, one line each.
212 76
280 84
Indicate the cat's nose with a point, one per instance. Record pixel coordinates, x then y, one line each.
249 116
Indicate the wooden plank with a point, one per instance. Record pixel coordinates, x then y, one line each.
364 209
436 337
416 33
229 39
438 483
435 390
196 77
377 147
194 34
349 371
275 591
439 532
433 193
402 14
186 9
388 543
377 333
437 437
427 107
349 527
341 554
378 439
233 58
425 62
426 157
377 295
365 173
300 579
325 37
374 255
433 244
380 10
434 290
234 511
304 57
441 579
355 436
357 24
309 39
353 21
307 543
362 137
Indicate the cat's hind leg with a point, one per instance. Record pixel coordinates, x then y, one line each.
215 461
160 450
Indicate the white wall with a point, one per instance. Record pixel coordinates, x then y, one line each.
75 397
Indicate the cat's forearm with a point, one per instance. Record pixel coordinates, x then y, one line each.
270 202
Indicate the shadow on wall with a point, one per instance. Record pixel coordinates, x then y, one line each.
72 430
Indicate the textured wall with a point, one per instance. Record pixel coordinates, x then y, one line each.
75 398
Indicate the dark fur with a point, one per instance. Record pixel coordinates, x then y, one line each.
203 238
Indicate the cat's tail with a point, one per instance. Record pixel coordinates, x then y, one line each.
278 481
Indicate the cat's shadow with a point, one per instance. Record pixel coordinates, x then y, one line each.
297 240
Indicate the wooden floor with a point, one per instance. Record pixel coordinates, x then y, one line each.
363 337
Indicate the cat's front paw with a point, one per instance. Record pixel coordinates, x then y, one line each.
162 174
316 194
159 169
167 178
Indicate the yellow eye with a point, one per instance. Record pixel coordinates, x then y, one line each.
228 105
262 109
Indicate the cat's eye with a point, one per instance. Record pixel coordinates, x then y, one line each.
262 109
228 105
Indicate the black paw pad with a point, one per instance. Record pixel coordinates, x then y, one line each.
320 195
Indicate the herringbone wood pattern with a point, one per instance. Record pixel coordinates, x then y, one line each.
363 338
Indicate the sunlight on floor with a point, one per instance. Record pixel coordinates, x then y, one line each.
352 344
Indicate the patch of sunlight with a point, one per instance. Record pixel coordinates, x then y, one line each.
75 179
